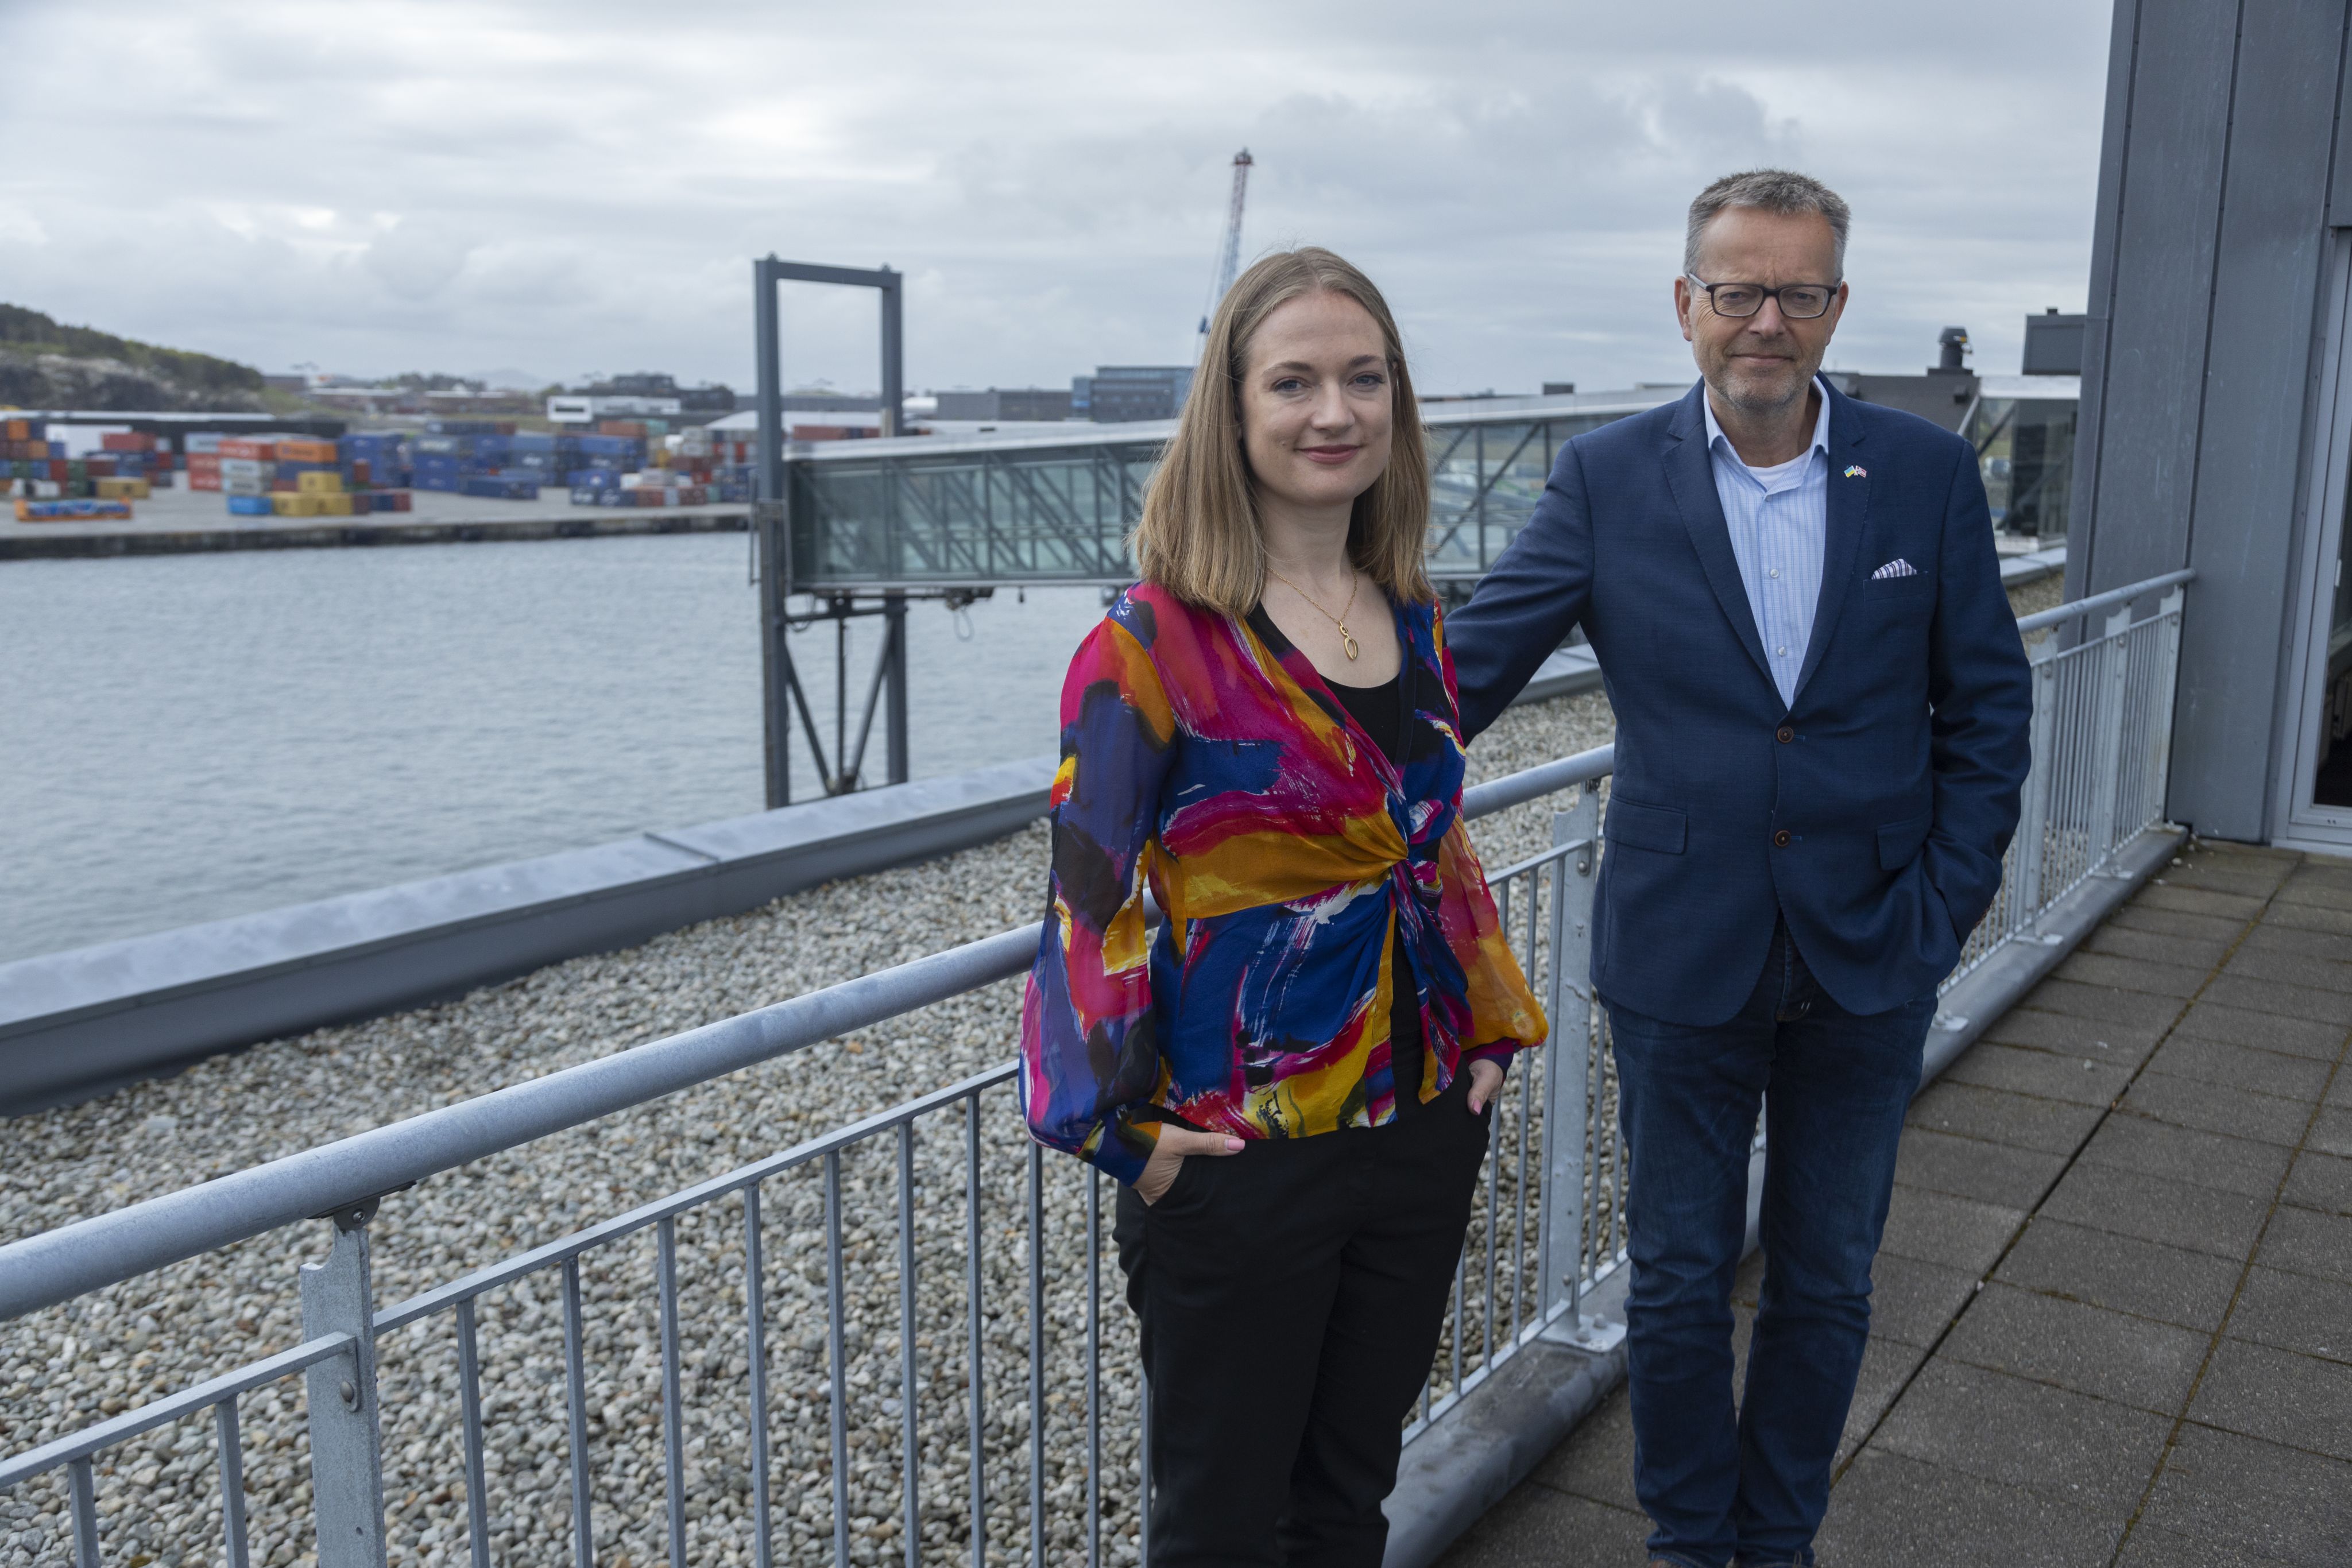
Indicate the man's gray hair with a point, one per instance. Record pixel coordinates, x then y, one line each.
1777 191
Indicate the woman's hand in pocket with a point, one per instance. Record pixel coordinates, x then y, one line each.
1485 1079
1170 1152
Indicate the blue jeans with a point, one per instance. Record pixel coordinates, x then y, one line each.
1751 1486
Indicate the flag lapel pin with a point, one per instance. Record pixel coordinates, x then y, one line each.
1857 472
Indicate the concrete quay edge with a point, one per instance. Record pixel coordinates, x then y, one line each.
1471 1458
606 523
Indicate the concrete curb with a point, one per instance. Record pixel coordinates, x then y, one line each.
1471 1458
77 1023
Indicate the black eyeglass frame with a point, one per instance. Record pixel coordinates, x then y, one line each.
1829 289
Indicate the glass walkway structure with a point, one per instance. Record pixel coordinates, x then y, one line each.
922 512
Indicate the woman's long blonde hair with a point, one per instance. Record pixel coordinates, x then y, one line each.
1198 538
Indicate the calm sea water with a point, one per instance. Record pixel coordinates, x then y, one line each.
186 737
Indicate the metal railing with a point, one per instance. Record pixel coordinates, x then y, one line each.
917 1373
2102 750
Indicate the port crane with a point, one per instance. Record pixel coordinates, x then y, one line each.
1229 259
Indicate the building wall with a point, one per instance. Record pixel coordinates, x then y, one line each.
2201 357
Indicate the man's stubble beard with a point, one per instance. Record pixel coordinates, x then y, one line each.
1726 387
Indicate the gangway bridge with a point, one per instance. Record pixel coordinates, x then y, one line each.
924 513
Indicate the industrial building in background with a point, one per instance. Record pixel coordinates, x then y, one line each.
1121 394
1004 403
636 395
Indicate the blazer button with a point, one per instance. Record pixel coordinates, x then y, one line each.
1780 839
1784 735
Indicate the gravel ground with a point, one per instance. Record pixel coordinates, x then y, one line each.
64 1368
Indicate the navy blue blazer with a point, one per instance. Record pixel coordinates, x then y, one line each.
1873 813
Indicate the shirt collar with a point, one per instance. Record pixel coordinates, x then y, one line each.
1715 436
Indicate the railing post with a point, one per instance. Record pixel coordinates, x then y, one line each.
346 1442
2034 824
2168 679
1569 1105
2106 771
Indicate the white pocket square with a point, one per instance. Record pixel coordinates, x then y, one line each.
1898 567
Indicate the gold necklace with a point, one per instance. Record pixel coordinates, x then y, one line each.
1347 638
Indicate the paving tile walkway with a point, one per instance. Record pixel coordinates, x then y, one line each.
2113 1317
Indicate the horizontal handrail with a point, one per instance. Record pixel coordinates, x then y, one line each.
1534 783
481 1280
163 1412
2043 620
58 1265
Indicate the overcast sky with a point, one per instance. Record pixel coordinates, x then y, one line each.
578 187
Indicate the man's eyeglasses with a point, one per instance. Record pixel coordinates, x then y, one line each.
1799 301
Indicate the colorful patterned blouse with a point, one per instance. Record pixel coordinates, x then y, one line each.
1203 757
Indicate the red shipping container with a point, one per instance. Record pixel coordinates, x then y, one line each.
201 479
400 499
204 462
238 446
359 474
126 441
99 468
285 482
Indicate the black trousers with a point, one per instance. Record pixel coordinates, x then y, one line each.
1291 1298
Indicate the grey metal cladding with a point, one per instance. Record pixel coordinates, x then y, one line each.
2339 174
2257 401
2158 315
2206 262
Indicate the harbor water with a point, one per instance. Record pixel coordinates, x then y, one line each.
188 737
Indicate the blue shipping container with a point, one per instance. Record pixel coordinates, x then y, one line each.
250 506
501 488
622 446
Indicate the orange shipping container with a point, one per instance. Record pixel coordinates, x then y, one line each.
20 430
302 451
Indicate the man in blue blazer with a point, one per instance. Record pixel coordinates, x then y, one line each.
1823 718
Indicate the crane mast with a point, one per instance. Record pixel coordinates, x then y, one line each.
1230 260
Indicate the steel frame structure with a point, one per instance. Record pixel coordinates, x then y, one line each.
771 524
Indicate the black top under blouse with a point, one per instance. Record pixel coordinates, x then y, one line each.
1381 711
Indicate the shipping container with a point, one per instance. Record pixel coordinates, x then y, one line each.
498 486
250 506
70 511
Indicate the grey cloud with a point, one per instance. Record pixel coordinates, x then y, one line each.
417 258
583 187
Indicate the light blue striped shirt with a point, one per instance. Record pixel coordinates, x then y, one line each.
1778 519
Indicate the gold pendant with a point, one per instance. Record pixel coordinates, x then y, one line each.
1348 640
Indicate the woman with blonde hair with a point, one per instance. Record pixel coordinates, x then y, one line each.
1292 1076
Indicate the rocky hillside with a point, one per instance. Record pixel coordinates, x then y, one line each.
44 364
